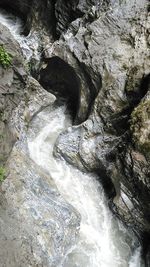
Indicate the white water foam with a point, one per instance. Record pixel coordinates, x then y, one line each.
29 44
135 260
103 241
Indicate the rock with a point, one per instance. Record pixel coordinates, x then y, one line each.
39 18
12 85
37 226
88 85
35 99
113 65
140 125
133 169
21 96
68 11
114 45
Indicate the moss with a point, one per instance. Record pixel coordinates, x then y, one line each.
2 174
5 57
140 126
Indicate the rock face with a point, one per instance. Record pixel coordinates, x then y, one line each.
18 93
140 125
37 226
68 11
28 10
13 80
113 45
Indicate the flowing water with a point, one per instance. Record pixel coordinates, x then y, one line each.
29 44
103 241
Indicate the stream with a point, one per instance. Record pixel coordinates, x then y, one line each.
103 241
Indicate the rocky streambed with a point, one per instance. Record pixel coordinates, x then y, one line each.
76 90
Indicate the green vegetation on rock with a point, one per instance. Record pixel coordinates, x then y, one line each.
2 174
140 126
5 57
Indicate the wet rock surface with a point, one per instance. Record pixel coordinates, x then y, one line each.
114 45
12 84
37 226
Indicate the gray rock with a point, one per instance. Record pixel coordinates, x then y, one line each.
37 226
114 45
68 11
132 202
12 85
140 125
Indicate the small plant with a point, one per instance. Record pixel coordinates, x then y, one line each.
5 58
2 174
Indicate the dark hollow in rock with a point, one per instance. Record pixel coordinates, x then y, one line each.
61 79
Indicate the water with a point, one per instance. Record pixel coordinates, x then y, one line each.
29 44
135 260
103 241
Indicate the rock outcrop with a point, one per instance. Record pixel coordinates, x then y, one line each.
35 14
113 44
12 85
